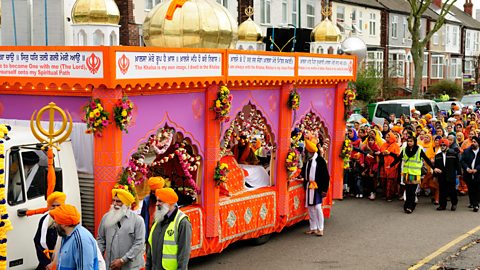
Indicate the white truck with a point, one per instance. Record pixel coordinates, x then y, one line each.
25 187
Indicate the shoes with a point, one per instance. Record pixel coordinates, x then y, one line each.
310 232
408 211
357 196
389 200
360 196
470 206
372 196
440 208
436 203
475 209
319 233
454 207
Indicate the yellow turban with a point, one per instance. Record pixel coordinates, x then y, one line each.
428 116
310 146
124 196
423 121
363 121
66 215
166 195
156 182
56 196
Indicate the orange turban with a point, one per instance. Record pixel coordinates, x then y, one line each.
310 146
397 129
423 121
124 196
56 196
166 195
156 182
428 116
363 121
66 215
444 141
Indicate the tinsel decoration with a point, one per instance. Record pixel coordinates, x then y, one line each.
5 224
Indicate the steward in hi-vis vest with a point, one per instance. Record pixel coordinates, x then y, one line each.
169 242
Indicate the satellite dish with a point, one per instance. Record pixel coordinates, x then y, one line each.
355 46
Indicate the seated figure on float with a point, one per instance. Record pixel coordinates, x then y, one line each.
256 176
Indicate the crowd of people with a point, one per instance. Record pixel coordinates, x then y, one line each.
159 238
409 155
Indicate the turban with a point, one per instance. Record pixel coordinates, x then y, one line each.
423 121
363 121
310 146
428 116
397 129
156 182
124 196
456 107
476 139
444 141
56 196
166 195
66 215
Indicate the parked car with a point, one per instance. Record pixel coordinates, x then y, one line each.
445 106
469 100
403 106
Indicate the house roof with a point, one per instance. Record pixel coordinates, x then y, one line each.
449 17
363 3
396 5
466 19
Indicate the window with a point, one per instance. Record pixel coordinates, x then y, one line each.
423 108
149 4
265 11
284 11
435 38
360 20
469 67
437 66
425 65
310 15
455 68
340 14
384 110
467 40
475 41
396 64
294 12
375 61
27 171
394 26
455 35
405 30
372 24
223 3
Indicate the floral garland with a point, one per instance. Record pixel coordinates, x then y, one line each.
124 182
348 98
5 224
162 141
96 117
134 167
122 113
294 100
185 160
223 104
221 172
292 163
346 152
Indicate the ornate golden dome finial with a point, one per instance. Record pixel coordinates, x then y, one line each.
327 11
95 12
326 30
249 30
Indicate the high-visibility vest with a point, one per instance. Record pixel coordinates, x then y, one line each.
170 246
412 165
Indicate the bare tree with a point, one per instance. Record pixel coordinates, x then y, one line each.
418 7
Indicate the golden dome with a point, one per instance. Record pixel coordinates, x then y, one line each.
326 31
249 31
197 24
95 12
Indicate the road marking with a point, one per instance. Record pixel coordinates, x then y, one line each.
444 248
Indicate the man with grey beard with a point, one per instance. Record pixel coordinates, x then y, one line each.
121 235
169 242
471 172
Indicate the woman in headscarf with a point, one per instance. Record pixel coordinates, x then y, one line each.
428 182
460 140
388 174
372 151
377 135
411 156
386 129
353 137
362 134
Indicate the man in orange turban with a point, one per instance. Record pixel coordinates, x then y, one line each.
121 233
169 217
73 255
149 203
46 236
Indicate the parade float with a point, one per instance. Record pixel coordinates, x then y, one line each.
190 114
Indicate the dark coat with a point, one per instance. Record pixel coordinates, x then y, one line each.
322 177
51 237
451 168
466 161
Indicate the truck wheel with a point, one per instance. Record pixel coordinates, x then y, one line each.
261 240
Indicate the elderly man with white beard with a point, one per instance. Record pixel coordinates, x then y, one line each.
169 242
121 235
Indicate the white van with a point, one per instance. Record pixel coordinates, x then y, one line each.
25 186
403 106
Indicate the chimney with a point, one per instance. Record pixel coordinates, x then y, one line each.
468 7
438 3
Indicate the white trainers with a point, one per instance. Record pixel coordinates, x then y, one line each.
360 196
372 196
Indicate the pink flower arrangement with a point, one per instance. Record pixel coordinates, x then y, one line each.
221 172
137 170
122 113
95 117
223 104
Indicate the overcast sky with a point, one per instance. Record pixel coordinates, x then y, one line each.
476 4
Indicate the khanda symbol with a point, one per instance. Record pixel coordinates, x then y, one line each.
93 63
52 137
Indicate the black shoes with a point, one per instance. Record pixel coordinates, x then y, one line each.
408 211
475 209
440 208
454 207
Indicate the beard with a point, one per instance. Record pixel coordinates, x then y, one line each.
161 212
115 215
61 232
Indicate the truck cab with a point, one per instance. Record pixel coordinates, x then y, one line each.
26 186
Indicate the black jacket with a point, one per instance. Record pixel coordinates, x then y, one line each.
466 161
451 168
322 178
